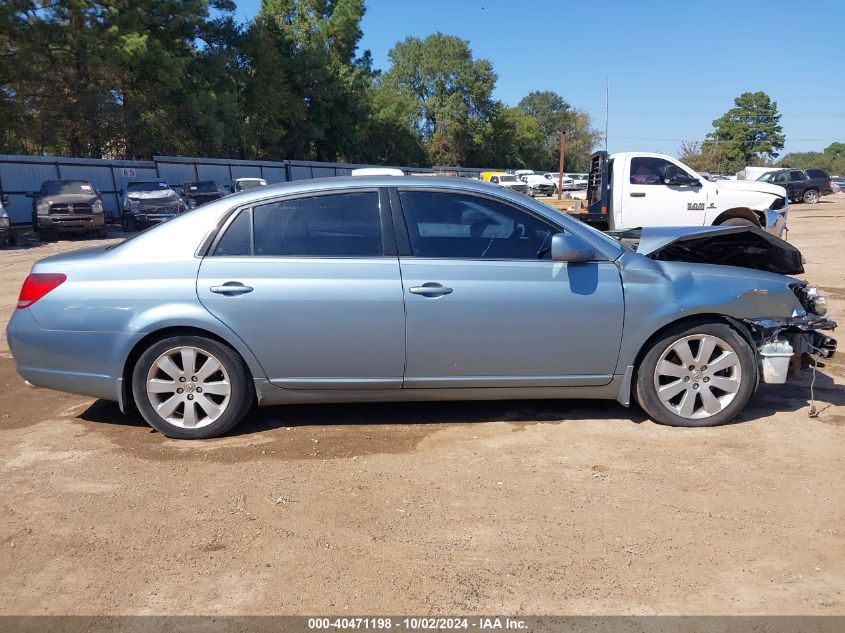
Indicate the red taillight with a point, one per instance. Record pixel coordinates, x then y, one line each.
37 285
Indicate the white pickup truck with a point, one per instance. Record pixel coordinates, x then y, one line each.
637 189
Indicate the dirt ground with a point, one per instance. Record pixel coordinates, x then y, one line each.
554 507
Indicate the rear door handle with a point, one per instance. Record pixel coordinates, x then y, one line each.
637 194
231 288
430 289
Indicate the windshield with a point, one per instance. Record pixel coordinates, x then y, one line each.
243 185
766 177
208 186
147 186
60 187
508 179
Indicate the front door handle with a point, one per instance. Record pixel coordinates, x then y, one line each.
431 289
637 194
231 288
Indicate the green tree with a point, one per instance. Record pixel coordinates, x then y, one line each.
748 133
437 85
554 115
306 93
832 159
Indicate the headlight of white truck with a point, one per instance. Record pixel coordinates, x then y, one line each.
43 208
97 207
4 222
134 205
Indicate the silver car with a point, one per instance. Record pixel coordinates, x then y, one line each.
395 289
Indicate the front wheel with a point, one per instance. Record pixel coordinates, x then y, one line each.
811 196
738 222
191 387
702 375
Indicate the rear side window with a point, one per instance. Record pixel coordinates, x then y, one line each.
335 225
236 239
462 226
817 173
795 175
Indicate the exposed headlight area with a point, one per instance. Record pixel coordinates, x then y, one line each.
810 299
97 207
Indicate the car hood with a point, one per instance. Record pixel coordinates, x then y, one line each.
751 185
67 198
158 194
741 246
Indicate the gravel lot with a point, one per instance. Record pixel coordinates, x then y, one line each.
554 507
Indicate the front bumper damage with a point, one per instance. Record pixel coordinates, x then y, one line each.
805 333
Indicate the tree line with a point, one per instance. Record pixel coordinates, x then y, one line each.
136 78
750 133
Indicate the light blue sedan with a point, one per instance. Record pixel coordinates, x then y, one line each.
398 288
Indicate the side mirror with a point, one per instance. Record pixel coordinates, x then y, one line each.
30 194
571 248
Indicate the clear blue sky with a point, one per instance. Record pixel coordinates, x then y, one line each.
672 67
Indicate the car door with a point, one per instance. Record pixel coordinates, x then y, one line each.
485 305
648 201
798 183
311 284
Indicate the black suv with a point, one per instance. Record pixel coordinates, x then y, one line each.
67 206
197 192
801 186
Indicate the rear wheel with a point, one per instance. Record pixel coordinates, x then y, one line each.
811 196
700 375
129 224
191 387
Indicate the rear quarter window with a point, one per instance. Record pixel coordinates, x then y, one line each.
817 173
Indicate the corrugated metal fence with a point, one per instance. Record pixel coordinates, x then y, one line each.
20 175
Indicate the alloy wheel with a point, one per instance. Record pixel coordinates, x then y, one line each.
188 387
698 376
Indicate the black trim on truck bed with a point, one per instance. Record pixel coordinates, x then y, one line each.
598 192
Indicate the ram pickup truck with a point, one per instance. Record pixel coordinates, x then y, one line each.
637 189
67 206
801 186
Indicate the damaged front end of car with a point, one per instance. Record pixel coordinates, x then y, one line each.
785 346
784 318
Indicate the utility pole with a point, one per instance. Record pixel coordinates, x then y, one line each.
606 107
560 169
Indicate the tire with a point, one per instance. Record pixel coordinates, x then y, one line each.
739 222
214 411
730 375
129 224
811 196
5 242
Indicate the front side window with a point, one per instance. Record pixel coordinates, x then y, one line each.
335 225
463 226
646 170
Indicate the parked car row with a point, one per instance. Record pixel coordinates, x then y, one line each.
76 206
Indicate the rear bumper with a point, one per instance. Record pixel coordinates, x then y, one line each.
85 363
